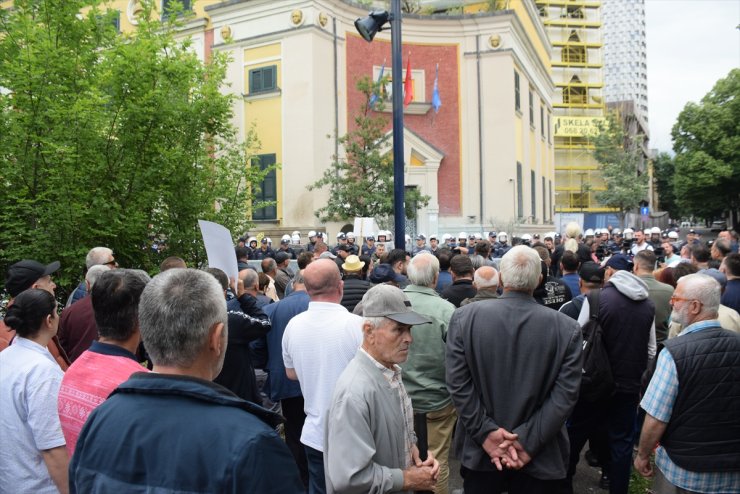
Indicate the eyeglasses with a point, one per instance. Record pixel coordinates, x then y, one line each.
681 299
112 262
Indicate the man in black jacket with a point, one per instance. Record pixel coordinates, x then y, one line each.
354 286
245 325
462 280
626 316
513 369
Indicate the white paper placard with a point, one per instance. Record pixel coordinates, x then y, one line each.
219 248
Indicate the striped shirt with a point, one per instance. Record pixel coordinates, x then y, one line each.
658 401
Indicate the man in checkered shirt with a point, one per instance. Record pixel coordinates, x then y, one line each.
693 399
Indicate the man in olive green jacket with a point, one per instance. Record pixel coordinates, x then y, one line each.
424 371
658 292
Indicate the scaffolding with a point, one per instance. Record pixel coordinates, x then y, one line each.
574 28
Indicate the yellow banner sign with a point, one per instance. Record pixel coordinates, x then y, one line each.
578 126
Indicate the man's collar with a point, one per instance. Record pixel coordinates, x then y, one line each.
421 289
698 326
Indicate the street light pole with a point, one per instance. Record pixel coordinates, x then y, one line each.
368 27
399 211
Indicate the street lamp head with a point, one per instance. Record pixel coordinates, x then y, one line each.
369 26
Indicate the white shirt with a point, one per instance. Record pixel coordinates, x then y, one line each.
318 344
640 247
29 422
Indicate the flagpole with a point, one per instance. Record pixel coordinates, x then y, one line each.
399 214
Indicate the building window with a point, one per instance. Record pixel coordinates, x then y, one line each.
167 6
574 12
263 79
517 100
542 118
544 201
533 187
268 188
549 185
549 131
519 192
577 95
531 107
573 54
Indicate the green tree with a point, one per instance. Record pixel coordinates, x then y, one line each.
664 170
706 139
620 163
361 182
111 140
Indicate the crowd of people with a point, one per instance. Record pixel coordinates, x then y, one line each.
359 368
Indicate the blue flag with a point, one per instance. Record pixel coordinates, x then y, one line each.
436 100
374 96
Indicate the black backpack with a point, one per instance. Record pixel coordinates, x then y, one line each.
597 381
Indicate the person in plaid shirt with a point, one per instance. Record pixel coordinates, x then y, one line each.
693 399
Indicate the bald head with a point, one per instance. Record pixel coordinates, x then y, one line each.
486 277
323 282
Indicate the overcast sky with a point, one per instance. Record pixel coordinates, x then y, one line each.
690 45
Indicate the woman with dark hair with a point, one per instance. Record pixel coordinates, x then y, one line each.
33 457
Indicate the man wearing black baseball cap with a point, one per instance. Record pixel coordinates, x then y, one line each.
22 276
590 277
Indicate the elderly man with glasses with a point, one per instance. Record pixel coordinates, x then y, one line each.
693 399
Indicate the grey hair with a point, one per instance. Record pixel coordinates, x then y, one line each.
94 273
521 268
177 310
142 275
378 322
298 278
271 265
703 288
97 255
477 261
422 269
481 282
250 277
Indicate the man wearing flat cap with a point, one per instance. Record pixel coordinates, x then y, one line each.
370 445
20 277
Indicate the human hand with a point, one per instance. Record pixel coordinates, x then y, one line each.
499 445
521 461
643 465
422 478
429 462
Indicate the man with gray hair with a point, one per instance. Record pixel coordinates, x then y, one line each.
370 442
424 371
98 256
514 372
693 399
485 282
77 329
157 430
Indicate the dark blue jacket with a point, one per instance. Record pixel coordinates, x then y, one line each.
278 386
165 433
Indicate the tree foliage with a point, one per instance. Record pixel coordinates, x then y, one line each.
664 171
109 139
361 182
706 139
620 163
